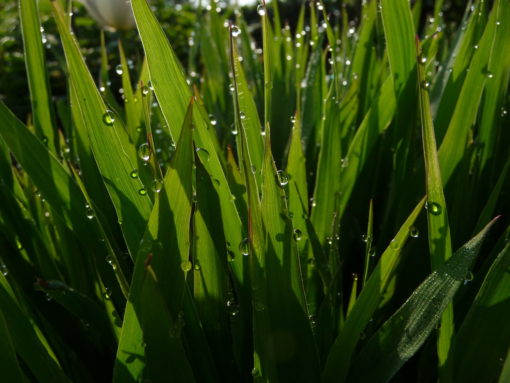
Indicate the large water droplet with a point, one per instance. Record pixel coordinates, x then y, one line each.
414 232
283 178
261 10
142 191
157 185
203 154
186 266
236 31
119 70
433 208
144 152
244 247
108 118
134 174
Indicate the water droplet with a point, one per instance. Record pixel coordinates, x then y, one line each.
142 191
236 31
212 120
414 232
394 244
4 270
344 162
425 84
108 118
157 185
244 247
283 178
292 119
423 60
469 278
433 208
134 174
89 211
144 152
242 116
476 47
504 112
186 266
261 10
313 321
297 234
489 75
202 154
145 90
365 238
107 293
119 70
196 267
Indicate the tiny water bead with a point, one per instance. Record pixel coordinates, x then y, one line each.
213 120
144 152
236 31
283 178
433 208
261 10
242 116
111 262
4 270
186 266
119 70
145 90
89 211
107 293
134 174
298 234
414 232
469 278
157 185
244 247
108 118
142 191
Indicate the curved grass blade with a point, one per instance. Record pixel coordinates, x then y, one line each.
8 361
406 330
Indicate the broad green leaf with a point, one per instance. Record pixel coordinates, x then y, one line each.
408 328
485 326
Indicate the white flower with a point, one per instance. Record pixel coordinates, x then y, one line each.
116 14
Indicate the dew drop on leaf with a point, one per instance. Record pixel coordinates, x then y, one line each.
144 152
108 118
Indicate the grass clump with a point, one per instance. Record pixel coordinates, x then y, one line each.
305 206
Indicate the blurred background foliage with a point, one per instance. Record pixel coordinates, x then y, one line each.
177 19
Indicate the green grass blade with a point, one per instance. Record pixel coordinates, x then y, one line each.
159 275
37 76
405 332
439 239
453 146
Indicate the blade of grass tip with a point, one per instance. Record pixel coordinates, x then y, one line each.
368 239
407 329
155 272
266 46
439 239
35 62
130 107
486 326
110 144
340 355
